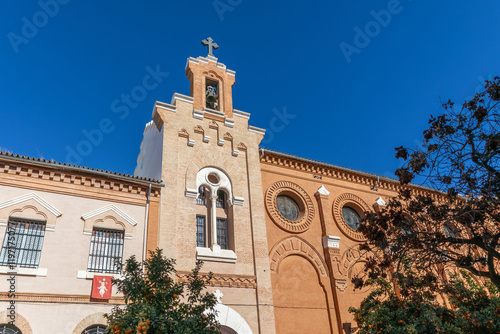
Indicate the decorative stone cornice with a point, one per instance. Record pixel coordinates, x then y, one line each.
241 114
74 181
180 97
322 191
379 204
330 241
222 280
58 298
229 122
329 170
255 129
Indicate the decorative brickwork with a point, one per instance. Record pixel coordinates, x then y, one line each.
93 319
353 200
296 246
20 322
220 280
303 200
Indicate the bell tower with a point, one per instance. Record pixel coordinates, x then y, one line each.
212 205
211 84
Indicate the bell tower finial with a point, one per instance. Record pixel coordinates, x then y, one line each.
211 45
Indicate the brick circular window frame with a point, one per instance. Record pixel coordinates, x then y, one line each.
302 199
355 203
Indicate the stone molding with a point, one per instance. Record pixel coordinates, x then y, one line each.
59 298
379 204
112 208
30 206
330 241
296 246
222 280
40 272
307 207
339 202
323 191
216 254
241 114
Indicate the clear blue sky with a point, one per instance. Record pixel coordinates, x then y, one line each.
354 97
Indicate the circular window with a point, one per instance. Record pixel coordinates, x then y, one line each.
287 207
213 178
351 217
347 209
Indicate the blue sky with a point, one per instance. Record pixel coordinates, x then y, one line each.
359 77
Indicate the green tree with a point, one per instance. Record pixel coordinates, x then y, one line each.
415 309
156 304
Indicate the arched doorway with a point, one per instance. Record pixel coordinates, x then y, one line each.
300 302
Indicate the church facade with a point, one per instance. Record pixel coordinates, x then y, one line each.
278 231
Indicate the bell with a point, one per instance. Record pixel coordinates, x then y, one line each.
211 94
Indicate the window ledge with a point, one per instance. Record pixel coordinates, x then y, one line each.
42 272
83 274
215 254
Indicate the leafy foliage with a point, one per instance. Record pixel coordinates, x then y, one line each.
458 225
157 304
475 308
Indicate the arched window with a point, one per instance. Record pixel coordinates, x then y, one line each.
94 329
9 329
214 216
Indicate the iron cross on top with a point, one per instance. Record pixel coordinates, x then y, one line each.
211 45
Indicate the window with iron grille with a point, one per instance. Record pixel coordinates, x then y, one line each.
106 246
200 231
222 233
95 329
23 241
202 195
221 199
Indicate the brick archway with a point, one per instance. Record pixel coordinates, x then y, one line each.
297 246
20 322
93 319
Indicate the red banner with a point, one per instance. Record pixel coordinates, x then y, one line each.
101 287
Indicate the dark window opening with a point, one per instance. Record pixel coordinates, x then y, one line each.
212 94
222 233
221 199
200 231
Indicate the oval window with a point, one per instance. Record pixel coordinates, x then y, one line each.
287 207
351 217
